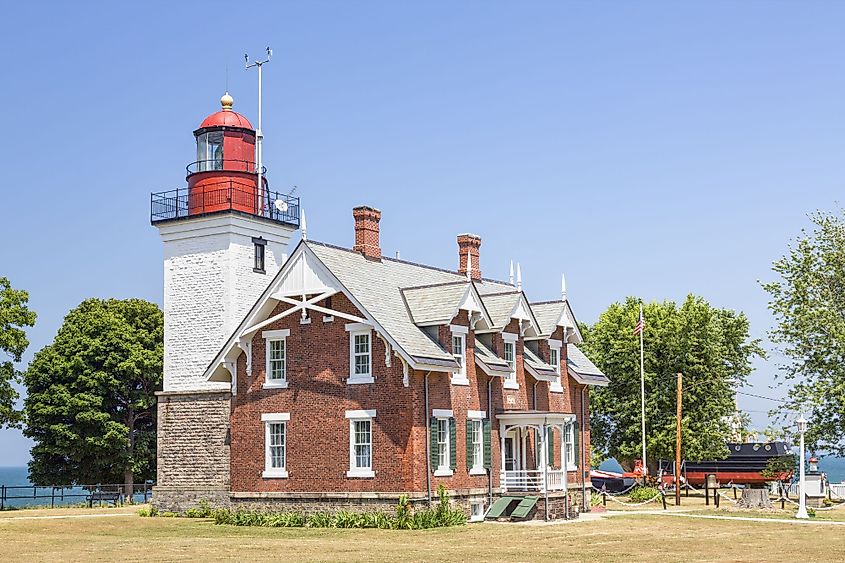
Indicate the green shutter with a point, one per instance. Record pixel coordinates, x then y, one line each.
576 439
469 445
432 441
488 445
453 444
550 444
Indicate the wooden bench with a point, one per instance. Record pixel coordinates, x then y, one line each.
107 496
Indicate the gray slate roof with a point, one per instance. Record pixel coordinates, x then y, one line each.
500 305
377 286
584 370
548 314
401 295
532 359
434 304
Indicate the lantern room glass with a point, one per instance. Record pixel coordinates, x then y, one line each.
210 151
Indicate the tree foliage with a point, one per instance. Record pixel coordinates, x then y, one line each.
809 305
710 346
91 395
15 316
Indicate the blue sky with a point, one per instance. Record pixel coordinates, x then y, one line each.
645 148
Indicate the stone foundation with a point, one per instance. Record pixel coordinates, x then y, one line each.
192 449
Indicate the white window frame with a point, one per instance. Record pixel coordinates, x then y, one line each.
556 345
460 333
359 329
510 339
275 336
568 442
444 466
356 472
269 419
476 511
477 417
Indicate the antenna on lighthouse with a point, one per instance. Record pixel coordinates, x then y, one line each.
259 135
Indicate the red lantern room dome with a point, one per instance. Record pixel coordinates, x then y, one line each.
226 117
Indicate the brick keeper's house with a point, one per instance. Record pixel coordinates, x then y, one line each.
340 378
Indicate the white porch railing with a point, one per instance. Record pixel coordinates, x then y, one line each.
531 480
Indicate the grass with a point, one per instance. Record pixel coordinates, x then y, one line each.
619 538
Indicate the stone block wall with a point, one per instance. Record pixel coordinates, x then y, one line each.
193 449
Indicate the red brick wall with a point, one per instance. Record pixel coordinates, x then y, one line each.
318 396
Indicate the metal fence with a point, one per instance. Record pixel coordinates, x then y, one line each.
224 196
17 496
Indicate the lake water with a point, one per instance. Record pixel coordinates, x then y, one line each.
13 477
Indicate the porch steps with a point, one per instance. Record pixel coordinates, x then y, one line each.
524 507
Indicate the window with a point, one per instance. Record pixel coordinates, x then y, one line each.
459 336
569 445
276 355
258 265
476 509
360 353
210 151
554 359
442 443
360 443
275 445
510 357
476 438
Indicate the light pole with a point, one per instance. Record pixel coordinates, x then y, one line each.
802 497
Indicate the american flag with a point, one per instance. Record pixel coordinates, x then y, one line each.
640 323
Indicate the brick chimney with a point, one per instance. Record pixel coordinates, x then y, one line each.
468 245
366 231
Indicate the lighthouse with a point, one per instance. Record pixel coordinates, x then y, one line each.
225 236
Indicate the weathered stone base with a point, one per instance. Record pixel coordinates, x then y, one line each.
192 450
179 499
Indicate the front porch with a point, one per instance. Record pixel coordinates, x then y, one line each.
527 446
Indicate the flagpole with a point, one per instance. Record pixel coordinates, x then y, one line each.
642 390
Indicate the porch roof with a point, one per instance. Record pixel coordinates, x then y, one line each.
534 418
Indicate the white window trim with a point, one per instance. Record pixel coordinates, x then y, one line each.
270 335
356 329
356 472
574 427
511 382
480 516
460 377
478 416
556 386
268 419
444 470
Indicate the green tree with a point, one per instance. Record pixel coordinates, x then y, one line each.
15 316
91 401
809 305
710 346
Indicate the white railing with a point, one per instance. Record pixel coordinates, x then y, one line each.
532 480
838 490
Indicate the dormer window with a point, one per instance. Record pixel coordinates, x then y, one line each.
459 352
509 356
554 360
210 151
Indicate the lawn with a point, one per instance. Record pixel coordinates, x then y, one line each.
123 536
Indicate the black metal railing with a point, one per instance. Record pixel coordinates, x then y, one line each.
228 195
223 164
18 496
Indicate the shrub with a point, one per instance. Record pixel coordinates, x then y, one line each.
148 511
204 510
405 519
595 499
642 494
320 520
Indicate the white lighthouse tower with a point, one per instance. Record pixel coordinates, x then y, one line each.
225 237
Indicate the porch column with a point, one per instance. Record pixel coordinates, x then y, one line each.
503 429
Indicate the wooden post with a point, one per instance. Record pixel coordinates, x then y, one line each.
678 444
